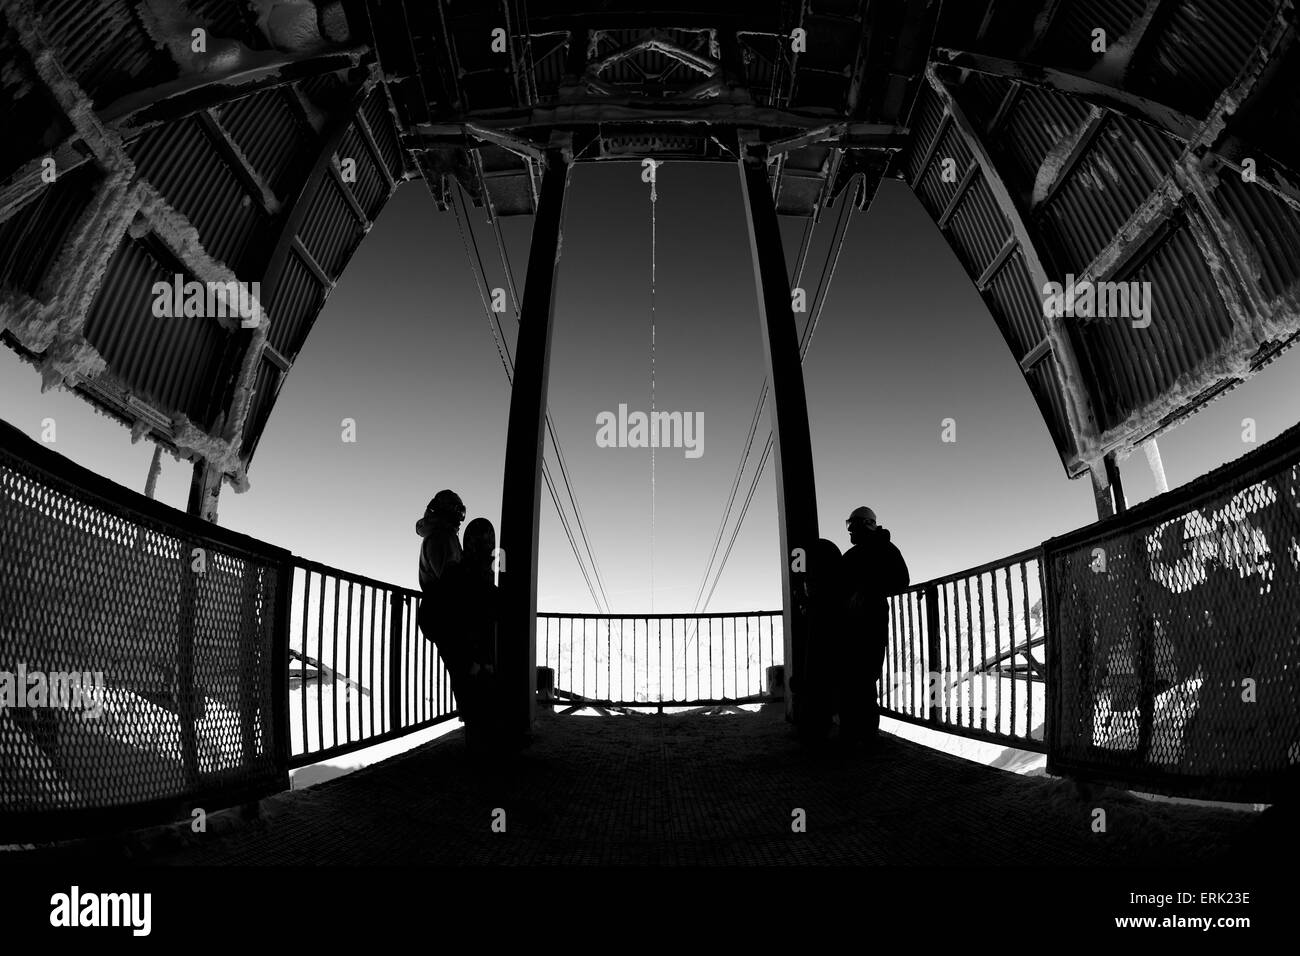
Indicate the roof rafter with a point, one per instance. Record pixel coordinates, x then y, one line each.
288 243
1078 404
134 114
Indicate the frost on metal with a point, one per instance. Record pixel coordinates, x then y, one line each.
292 25
194 443
171 26
1145 218
183 239
52 325
1054 162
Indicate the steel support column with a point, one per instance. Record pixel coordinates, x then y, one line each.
796 498
1107 488
522 485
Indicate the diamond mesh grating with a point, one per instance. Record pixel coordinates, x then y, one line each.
1177 636
170 690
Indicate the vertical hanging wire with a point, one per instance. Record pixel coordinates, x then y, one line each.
654 196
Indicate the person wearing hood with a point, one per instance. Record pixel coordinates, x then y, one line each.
439 528
439 550
874 570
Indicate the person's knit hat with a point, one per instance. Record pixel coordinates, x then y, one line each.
445 507
864 516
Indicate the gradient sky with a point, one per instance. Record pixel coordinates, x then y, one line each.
403 347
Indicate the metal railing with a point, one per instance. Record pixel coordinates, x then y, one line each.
173 629
1166 659
642 660
361 672
965 654
1174 660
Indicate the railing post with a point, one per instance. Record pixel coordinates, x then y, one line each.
934 671
282 745
186 696
395 650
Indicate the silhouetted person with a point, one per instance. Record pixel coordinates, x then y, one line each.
469 614
815 681
439 528
439 551
874 569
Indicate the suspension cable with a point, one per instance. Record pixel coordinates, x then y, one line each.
550 428
800 261
507 364
810 328
654 196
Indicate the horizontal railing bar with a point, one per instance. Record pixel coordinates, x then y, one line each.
988 736
94 490
703 702
655 617
1021 557
319 568
316 756
1028 554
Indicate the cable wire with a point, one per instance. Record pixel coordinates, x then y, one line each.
554 435
507 364
805 342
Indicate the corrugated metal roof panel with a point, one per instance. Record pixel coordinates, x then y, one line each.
370 188
1199 50
330 229
927 116
179 161
1189 324
1013 300
173 363
380 119
1104 189
30 239
1038 122
932 188
1268 229
104 46
272 136
293 305
978 227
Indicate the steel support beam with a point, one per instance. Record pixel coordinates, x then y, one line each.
1101 493
1211 133
1116 483
1174 122
288 242
728 110
521 497
138 112
205 489
1108 488
796 494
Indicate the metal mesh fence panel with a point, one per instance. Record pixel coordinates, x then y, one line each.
137 647
1175 636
